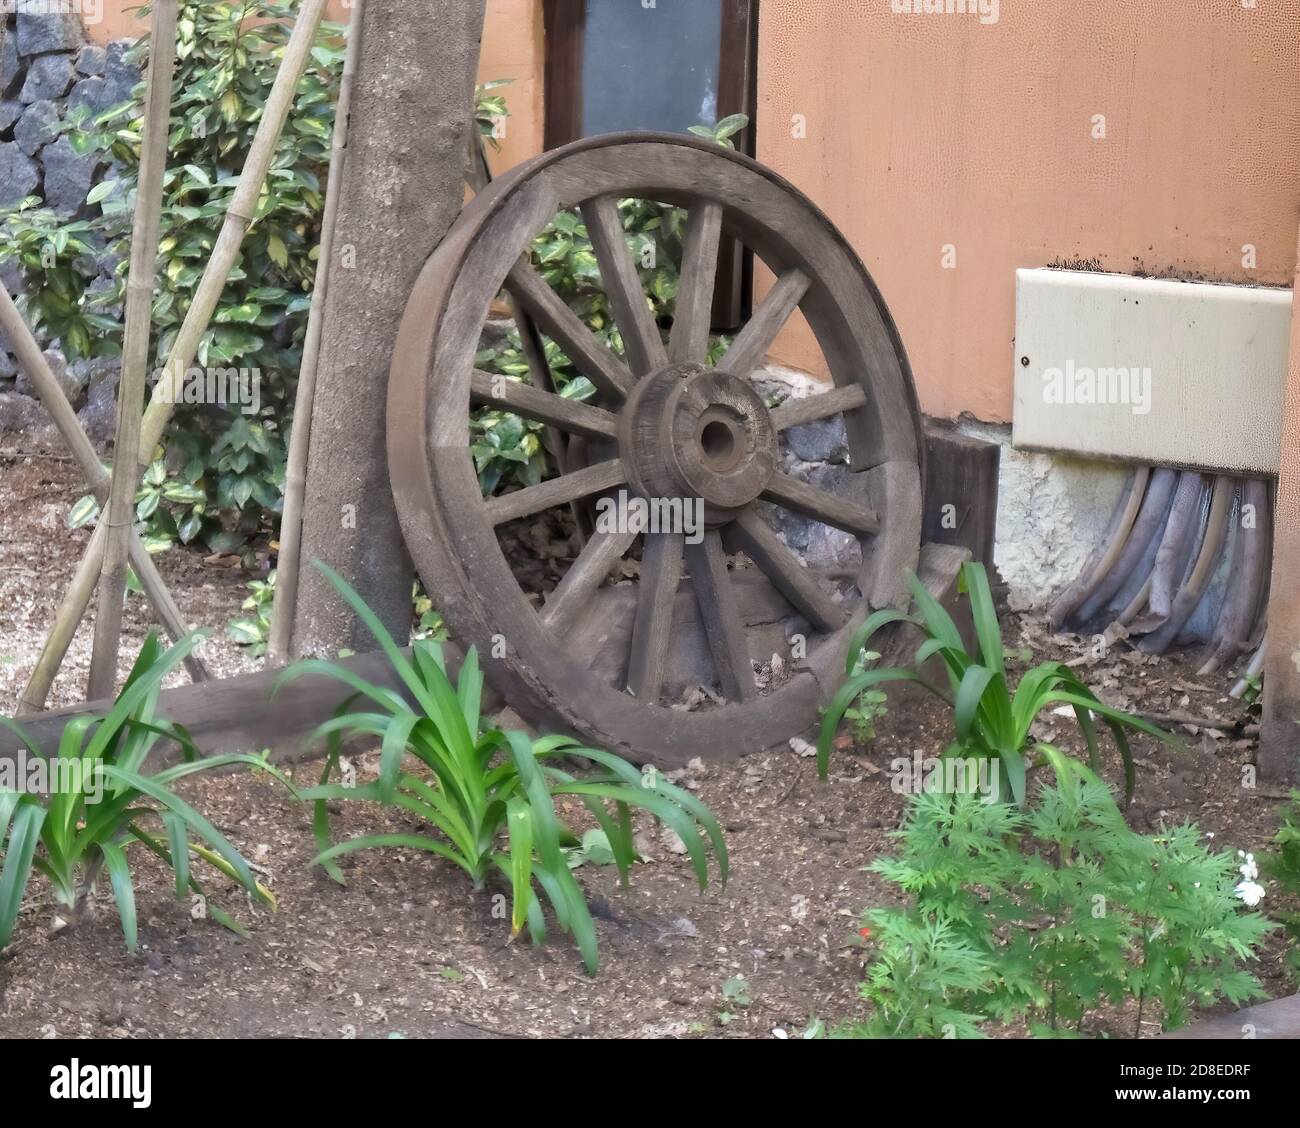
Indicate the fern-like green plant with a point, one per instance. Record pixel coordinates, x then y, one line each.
488 796
991 720
924 981
1049 913
100 803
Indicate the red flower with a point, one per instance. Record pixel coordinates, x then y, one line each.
865 933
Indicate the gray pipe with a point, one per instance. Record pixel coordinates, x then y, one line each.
1148 526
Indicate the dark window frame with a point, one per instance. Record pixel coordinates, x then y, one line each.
564 22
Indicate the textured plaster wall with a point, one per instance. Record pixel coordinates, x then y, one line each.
926 131
1051 512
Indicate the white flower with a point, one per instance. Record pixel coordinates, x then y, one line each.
1249 870
1250 892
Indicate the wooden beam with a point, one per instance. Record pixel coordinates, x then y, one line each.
240 714
1278 1019
961 493
1278 744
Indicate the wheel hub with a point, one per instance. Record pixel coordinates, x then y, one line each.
688 431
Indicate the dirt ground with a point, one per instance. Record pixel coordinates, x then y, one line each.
406 949
38 555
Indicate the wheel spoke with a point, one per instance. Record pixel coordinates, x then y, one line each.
661 570
720 615
544 407
786 571
584 576
541 377
821 505
694 311
558 491
642 344
755 339
809 409
565 327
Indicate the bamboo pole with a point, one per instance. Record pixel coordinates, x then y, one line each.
119 518
37 369
66 621
238 218
198 317
295 483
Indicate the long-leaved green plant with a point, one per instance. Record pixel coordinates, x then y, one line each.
488 796
991 719
100 804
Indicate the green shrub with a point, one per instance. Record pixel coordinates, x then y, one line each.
61 258
253 629
490 110
475 786
224 470
924 973
100 804
991 721
1046 915
223 473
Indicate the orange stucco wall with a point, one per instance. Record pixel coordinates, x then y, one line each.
926 131
512 49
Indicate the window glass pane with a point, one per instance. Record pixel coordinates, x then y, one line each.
650 67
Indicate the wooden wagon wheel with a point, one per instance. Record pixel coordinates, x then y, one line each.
662 425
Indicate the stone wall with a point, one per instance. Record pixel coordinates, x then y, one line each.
47 70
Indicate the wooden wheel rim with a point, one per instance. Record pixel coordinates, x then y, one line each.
453 541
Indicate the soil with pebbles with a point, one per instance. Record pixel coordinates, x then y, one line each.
408 949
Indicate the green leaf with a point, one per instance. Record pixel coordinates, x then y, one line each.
729 126
180 850
374 841
278 252
519 820
984 615
24 833
196 822
83 512
100 191
844 698
119 875
969 696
